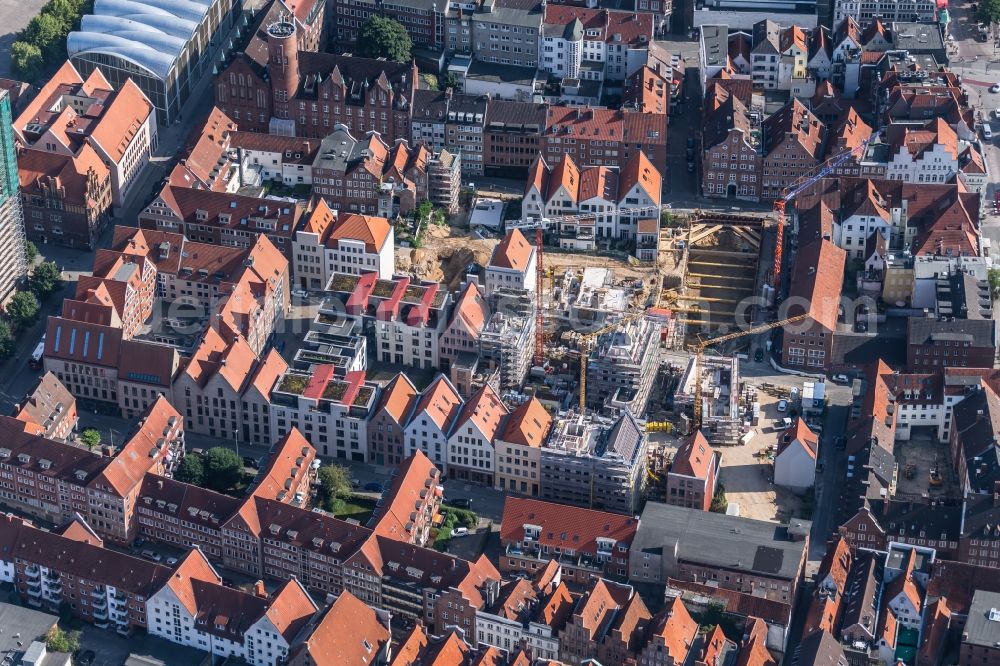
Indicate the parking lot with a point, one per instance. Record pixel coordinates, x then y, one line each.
748 470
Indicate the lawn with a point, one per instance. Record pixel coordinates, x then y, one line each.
356 507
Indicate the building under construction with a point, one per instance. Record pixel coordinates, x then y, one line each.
720 411
507 342
594 462
622 367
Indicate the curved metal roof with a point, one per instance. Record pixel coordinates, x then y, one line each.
151 34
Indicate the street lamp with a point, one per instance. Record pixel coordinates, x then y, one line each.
236 432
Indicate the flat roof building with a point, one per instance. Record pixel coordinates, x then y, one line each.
164 46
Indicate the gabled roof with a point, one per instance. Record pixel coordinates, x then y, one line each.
528 425
471 311
349 633
440 402
799 434
677 629
485 410
817 279
121 121
398 398
695 457
905 585
414 486
638 170
513 252
372 231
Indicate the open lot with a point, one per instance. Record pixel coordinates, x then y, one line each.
916 457
747 477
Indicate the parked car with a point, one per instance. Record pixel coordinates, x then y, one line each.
758 355
820 467
300 293
794 393
690 142
995 88
251 462
690 167
987 132
171 561
355 483
782 405
840 379
85 658
460 531
464 503
373 487
151 555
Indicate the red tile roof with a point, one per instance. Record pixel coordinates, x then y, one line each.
677 629
528 425
398 398
817 280
564 526
695 457
800 434
415 485
485 410
514 252
349 633
122 120
441 402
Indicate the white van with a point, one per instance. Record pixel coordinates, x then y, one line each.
987 132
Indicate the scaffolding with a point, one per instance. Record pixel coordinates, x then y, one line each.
719 377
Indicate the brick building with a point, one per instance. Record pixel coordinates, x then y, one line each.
306 94
694 473
817 279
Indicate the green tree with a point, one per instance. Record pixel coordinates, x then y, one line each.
334 484
190 470
45 30
6 340
994 278
382 37
449 80
223 468
30 252
46 279
989 11
27 61
57 640
91 438
23 309
719 501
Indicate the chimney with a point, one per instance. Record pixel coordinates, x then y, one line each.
258 589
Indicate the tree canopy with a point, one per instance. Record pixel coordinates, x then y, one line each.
989 11
91 438
382 37
22 310
190 470
223 468
334 483
46 279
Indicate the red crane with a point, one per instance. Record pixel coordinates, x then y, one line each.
796 188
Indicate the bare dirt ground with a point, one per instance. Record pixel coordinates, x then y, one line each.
747 478
447 252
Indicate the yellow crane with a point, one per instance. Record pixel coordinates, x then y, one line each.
699 351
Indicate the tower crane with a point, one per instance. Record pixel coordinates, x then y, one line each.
796 188
699 351
539 225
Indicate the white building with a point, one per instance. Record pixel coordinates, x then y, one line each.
195 609
471 452
593 44
795 462
432 420
601 202
282 159
512 265
932 153
332 412
329 243
528 626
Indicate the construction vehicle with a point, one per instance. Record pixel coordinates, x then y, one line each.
699 351
934 478
796 188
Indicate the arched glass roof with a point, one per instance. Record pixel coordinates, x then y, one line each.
148 33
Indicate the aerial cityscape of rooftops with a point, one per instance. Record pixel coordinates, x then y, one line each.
499 333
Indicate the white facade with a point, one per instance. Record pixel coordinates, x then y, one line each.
498 277
261 645
287 168
423 434
855 230
794 467
509 634
417 346
135 157
314 262
934 165
470 448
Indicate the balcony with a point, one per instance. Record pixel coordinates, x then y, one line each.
34 591
101 603
99 592
100 613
